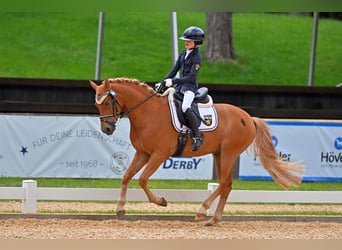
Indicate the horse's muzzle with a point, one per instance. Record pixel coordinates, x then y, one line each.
108 128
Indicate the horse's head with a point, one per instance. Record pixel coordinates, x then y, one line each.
107 104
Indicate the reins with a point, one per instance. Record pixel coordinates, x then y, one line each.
137 106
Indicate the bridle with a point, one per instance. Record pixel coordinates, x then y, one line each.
115 103
99 99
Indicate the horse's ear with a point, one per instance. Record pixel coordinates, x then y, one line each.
107 83
93 84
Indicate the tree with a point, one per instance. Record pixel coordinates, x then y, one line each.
219 37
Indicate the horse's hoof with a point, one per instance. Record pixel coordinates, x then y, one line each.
163 202
120 214
200 217
211 222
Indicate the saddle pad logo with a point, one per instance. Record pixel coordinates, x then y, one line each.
208 119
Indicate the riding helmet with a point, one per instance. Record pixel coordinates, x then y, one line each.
193 33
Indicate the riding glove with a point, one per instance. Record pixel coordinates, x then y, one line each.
168 82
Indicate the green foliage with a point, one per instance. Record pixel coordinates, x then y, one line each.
271 49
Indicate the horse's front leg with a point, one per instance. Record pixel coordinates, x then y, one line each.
139 160
152 165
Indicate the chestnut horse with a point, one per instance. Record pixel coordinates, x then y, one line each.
154 139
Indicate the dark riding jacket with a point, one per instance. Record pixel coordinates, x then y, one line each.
189 68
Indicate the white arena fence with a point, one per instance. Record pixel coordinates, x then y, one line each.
30 193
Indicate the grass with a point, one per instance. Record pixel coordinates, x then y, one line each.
271 49
167 184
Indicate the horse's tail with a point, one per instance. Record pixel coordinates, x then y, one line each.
280 170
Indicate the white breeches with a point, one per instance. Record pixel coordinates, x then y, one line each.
187 100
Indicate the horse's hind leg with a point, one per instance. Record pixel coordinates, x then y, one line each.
225 176
224 188
139 160
202 212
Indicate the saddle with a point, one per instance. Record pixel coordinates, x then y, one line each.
200 97
203 108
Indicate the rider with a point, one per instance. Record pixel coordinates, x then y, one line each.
189 62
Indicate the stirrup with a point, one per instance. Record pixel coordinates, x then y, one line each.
196 143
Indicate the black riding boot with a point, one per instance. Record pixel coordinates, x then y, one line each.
197 137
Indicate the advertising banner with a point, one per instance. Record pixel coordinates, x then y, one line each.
317 144
75 147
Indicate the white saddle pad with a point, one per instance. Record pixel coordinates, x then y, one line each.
207 112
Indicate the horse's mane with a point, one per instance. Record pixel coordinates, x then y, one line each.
126 80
